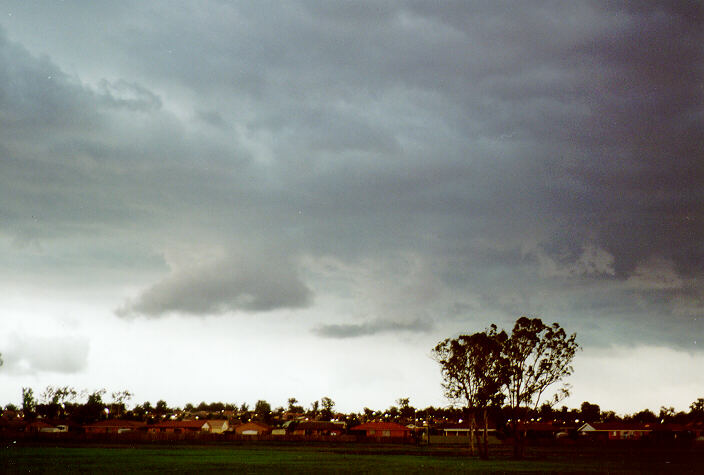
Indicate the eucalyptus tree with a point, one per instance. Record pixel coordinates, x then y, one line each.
485 368
535 357
473 372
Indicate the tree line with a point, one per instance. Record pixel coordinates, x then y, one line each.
82 407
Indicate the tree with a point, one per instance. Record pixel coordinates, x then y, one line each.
262 410
293 406
314 409
119 399
29 404
473 374
590 412
161 408
696 409
54 399
535 356
406 411
94 408
646 416
327 405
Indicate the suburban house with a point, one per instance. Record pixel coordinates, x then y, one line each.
459 430
543 430
316 428
615 430
11 425
252 428
112 426
177 427
38 426
55 428
293 416
382 429
216 426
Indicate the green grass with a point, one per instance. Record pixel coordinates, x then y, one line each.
368 459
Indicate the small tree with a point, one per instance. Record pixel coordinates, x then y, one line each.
314 409
589 412
94 408
327 405
696 409
54 399
262 410
406 411
535 356
119 401
29 404
161 408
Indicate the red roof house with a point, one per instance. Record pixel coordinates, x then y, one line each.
382 429
177 427
616 430
112 426
317 428
252 428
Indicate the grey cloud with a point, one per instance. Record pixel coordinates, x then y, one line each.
30 354
36 96
226 285
133 96
372 328
546 159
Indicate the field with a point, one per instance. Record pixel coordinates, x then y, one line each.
337 459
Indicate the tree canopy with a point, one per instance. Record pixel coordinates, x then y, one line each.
488 367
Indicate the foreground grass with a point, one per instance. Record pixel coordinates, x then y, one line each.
273 459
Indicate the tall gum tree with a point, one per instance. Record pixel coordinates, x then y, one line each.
473 375
488 367
535 356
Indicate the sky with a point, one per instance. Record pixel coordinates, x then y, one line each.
231 201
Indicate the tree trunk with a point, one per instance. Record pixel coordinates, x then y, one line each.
472 425
517 441
485 441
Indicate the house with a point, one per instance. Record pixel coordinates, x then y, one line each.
58 428
458 430
11 425
293 416
216 426
37 426
112 426
316 428
252 428
615 430
177 427
697 430
382 429
542 430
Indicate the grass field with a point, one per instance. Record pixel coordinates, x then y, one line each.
276 459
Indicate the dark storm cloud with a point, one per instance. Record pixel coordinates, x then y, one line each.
540 159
